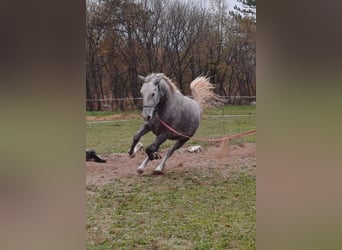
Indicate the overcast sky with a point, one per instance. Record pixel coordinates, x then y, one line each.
232 3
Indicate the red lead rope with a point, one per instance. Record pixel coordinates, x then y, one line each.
225 138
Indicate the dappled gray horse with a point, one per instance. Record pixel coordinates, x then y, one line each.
163 101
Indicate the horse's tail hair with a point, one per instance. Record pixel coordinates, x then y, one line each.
202 91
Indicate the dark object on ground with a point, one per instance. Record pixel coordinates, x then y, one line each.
91 156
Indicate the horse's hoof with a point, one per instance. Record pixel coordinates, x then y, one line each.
140 171
156 156
157 172
138 147
131 155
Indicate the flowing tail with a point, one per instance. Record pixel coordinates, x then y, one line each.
202 91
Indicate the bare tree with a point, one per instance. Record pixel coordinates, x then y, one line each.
181 39
94 34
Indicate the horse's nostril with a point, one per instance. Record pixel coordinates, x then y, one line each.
148 117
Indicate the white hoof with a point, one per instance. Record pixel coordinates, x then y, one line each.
157 172
138 147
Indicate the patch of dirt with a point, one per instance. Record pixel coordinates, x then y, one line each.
223 158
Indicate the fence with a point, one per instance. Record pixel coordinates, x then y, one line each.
129 104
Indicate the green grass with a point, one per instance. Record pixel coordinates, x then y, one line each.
182 209
231 110
104 113
174 211
223 110
116 136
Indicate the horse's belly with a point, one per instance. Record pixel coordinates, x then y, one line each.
183 122
183 129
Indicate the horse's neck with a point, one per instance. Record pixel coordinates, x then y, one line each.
167 91
169 103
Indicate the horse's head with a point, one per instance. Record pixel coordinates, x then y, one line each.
152 93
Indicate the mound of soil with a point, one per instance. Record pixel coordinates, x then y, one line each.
224 158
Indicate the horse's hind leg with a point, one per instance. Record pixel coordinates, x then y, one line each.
177 145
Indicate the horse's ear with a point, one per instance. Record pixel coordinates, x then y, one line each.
141 77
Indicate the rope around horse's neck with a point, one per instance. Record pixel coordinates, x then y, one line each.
225 138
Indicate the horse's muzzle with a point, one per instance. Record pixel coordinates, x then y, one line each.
148 113
147 118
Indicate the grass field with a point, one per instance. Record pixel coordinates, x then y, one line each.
201 209
173 212
116 136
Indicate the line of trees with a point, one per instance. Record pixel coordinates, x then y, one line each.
183 39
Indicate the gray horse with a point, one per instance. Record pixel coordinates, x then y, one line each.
163 104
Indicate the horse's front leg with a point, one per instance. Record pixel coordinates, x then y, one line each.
136 138
143 165
152 150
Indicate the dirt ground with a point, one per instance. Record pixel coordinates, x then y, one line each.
223 158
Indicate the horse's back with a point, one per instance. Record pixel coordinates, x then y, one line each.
184 115
192 107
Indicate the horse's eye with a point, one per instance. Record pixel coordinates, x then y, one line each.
152 94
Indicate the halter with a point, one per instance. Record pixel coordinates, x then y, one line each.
150 106
155 107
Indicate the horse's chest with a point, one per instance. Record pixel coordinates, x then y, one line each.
156 128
